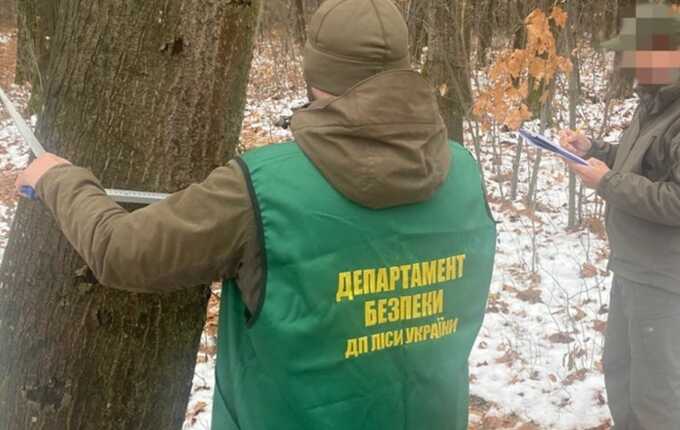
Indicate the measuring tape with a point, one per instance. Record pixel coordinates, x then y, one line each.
120 196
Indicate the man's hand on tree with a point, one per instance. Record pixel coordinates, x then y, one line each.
592 174
575 142
36 170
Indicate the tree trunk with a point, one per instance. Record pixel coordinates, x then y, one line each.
609 20
571 32
8 17
533 181
300 22
623 80
447 64
516 167
415 16
36 24
486 10
150 96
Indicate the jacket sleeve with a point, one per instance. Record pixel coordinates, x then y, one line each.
196 236
654 201
603 151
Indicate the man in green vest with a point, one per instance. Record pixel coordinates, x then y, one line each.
640 180
356 260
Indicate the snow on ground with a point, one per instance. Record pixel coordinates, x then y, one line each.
537 362
13 151
538 353
13 156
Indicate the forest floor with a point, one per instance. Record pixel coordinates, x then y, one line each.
537 362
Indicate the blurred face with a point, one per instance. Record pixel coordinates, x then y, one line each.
653 67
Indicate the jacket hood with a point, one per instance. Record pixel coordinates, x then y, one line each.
381 144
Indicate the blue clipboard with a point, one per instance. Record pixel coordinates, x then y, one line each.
543 143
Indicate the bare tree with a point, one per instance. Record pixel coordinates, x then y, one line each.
484 18
300 22
570 35
35 25
447 65
623 80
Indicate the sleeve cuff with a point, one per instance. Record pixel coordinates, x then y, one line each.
49 181
608 184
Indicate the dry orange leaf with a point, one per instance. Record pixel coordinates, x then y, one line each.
559 16
504 101
561 338
579 375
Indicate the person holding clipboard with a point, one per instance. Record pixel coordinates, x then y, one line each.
640 180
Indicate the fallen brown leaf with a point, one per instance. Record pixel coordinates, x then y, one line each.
600 326
579 375
561 338
195 410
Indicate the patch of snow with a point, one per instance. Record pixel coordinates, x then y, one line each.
14 155
202 390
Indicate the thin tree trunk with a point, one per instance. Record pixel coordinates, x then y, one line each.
150 96
416 17
572 26
486 11
300 22
518 41
477 143
623 80
609 20
533 182
36 21
447 64
516 165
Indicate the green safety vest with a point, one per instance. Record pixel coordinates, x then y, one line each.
367 317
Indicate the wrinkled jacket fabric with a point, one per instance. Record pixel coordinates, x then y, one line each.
643 192
381 144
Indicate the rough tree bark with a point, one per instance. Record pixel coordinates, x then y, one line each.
447 65
300 22
8 15
484 15
150 96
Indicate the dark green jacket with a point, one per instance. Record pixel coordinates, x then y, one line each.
643 192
